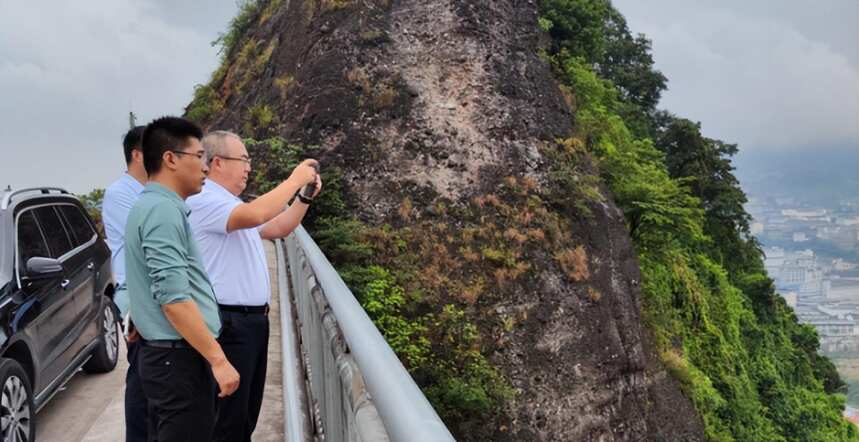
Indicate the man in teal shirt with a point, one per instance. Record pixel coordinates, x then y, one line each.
173 305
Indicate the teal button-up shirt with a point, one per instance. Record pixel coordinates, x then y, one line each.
163 264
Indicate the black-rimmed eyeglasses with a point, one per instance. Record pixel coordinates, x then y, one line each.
199 155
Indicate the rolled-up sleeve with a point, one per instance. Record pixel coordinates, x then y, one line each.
165 251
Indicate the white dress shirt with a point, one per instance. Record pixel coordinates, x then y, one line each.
235 261
117 202
118 199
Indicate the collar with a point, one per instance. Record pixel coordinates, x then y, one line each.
153 187
212 186
132 181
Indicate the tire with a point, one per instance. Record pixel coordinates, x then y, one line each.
105 355
17 414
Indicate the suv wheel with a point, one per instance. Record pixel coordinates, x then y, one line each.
16 403
106 353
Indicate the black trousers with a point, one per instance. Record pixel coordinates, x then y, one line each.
136 405
181 391
244 339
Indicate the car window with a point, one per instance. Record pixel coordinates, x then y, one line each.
30 240
55 234
77 221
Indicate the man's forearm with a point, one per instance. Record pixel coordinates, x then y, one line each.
270 204
264 208
188 321
283 224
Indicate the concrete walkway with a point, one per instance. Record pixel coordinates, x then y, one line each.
90 409
86 400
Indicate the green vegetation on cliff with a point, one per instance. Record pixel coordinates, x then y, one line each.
752 370
398 274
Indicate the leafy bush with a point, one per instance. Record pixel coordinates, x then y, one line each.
206 103
260 117
384 301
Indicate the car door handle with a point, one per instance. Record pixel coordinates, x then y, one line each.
90 266
65 283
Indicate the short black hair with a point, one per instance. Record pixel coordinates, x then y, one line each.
131 141
163 134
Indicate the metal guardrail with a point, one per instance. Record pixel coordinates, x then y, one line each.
358 389
296 424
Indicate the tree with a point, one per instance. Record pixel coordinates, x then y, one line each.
577 26
596 32
92 203
706 165
627 62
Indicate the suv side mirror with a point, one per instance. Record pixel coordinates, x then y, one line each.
40 268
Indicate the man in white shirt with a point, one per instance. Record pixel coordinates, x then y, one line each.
118 200
229 234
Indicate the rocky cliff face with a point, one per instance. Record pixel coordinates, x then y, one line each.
443 119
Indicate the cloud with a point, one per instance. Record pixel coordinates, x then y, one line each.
71 71
764 78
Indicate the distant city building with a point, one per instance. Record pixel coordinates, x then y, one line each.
805 215
827 233
824 294
756 228
852 415
853 221
797 272
773 260
842 265
790 298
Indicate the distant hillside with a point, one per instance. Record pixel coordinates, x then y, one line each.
821 175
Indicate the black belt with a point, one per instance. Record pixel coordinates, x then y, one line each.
165 343
247 309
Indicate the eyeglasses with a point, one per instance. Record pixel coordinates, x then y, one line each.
242 159
199 155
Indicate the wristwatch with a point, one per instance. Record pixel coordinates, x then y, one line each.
304 199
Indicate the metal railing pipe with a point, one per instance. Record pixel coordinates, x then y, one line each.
405 411
296 427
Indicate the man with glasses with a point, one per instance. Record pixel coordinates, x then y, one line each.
230 235
182 366
118 199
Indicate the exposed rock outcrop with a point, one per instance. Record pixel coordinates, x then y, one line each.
447 100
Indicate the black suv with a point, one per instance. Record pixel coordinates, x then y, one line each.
56 308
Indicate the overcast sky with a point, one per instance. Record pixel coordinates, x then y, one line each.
71 71
766 74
